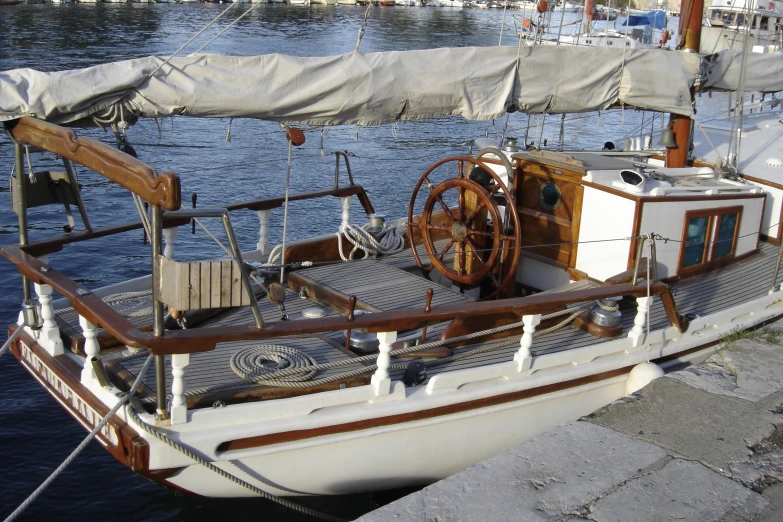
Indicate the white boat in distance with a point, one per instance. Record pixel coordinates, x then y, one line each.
729 22
531 288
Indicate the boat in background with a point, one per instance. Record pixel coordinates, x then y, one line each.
729 22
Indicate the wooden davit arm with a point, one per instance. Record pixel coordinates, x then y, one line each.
161 190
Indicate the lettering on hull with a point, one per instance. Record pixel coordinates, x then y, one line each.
75 405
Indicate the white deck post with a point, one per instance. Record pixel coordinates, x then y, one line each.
179 409
91 349
49 336
637 333
523 357
169 235
346 219
263 231
381 382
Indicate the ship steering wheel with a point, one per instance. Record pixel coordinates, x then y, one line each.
492 250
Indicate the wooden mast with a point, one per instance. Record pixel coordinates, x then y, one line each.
688 41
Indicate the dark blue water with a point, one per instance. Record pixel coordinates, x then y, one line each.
35 433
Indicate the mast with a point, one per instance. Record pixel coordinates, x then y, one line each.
688 40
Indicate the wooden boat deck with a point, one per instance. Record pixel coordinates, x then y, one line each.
382 286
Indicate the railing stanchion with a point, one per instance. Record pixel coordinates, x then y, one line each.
523 357
381 382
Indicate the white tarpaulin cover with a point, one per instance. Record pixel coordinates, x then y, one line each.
361 88
763 72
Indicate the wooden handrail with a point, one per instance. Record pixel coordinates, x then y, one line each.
161 190
42 247
202 340
269 203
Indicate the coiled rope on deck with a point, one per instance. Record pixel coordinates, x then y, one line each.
248 362
390 240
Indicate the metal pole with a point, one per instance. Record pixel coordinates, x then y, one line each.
157 311
21 206
232 241
777 267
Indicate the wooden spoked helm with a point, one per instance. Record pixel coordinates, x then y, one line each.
483 252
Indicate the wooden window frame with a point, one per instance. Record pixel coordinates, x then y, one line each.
709 261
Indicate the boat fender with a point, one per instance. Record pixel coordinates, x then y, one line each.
664 37
641 375
415 374
542 7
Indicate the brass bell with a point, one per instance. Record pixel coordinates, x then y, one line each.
667 139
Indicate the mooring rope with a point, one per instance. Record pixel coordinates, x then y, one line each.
11 339
98 427
223 473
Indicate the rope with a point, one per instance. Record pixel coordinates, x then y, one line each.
281 376
248 362
10 340
362 28
120 403
390 241
225 474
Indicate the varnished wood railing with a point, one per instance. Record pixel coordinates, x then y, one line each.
200 340
160 190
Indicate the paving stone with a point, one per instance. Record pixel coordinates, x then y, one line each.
749 369
714 429
680 490
549 477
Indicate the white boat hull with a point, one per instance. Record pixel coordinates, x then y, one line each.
349 440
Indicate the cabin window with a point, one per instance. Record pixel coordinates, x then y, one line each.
764 23
740 19
709 238
549 196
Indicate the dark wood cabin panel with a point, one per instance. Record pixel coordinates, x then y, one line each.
555 229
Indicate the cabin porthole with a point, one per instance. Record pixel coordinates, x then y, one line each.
549 196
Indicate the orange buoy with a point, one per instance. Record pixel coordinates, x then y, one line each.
542 7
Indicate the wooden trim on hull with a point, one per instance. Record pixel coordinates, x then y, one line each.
60 377
296 435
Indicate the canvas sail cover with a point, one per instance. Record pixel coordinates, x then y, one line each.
359 88
763 72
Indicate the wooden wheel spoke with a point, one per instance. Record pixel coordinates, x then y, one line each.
446 208
443 252
439 227
428 182
480 233
414 224
427 269
461 202
460 169
475 251
469 220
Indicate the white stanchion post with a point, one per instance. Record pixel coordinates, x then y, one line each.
381 382
169 236
637 333
263 231
49 335
346 217
523 357
91 349
179 409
